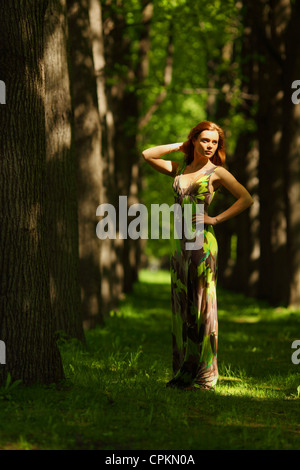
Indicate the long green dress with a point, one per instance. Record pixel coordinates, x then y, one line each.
193 294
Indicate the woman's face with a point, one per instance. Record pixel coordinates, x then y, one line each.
206 143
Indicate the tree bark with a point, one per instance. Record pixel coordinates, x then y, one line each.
26 324
270 28
246 271
62 218
88 153
290 146
112 270
123 102
276 30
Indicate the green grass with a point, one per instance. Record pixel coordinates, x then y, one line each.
114 396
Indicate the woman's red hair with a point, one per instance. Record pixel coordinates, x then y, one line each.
188 146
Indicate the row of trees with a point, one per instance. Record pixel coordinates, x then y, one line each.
65 149
243 63
268 157
89 84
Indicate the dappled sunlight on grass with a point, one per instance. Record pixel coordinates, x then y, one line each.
115 395
154 277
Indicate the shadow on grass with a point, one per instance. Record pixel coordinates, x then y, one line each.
255 404
253 337
115 395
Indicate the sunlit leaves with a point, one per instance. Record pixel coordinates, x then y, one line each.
202 42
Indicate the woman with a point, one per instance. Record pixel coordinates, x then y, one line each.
194 271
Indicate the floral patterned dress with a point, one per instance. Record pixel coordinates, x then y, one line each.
193 294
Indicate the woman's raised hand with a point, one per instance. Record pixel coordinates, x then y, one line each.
184 146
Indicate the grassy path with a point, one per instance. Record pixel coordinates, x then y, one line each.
115 395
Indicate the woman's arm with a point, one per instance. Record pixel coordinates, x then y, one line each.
244 199
153 154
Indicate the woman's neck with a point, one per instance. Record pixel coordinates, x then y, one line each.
198 163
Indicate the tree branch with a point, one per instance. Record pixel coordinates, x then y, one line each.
143 121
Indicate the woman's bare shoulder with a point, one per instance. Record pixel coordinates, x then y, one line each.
223 174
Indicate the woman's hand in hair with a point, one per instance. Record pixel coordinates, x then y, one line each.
184 147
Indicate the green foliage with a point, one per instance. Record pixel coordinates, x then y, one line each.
115 395
199 32
8 387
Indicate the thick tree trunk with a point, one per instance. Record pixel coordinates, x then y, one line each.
122 103
26 322
276 30
270 28
290 146
62 224
88 152
112 271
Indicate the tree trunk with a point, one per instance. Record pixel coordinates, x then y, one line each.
26 324
290 146
246 272
124 103
270 27
112 271
62 224
276 30
88 152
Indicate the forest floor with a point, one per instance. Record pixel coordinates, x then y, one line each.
115 398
